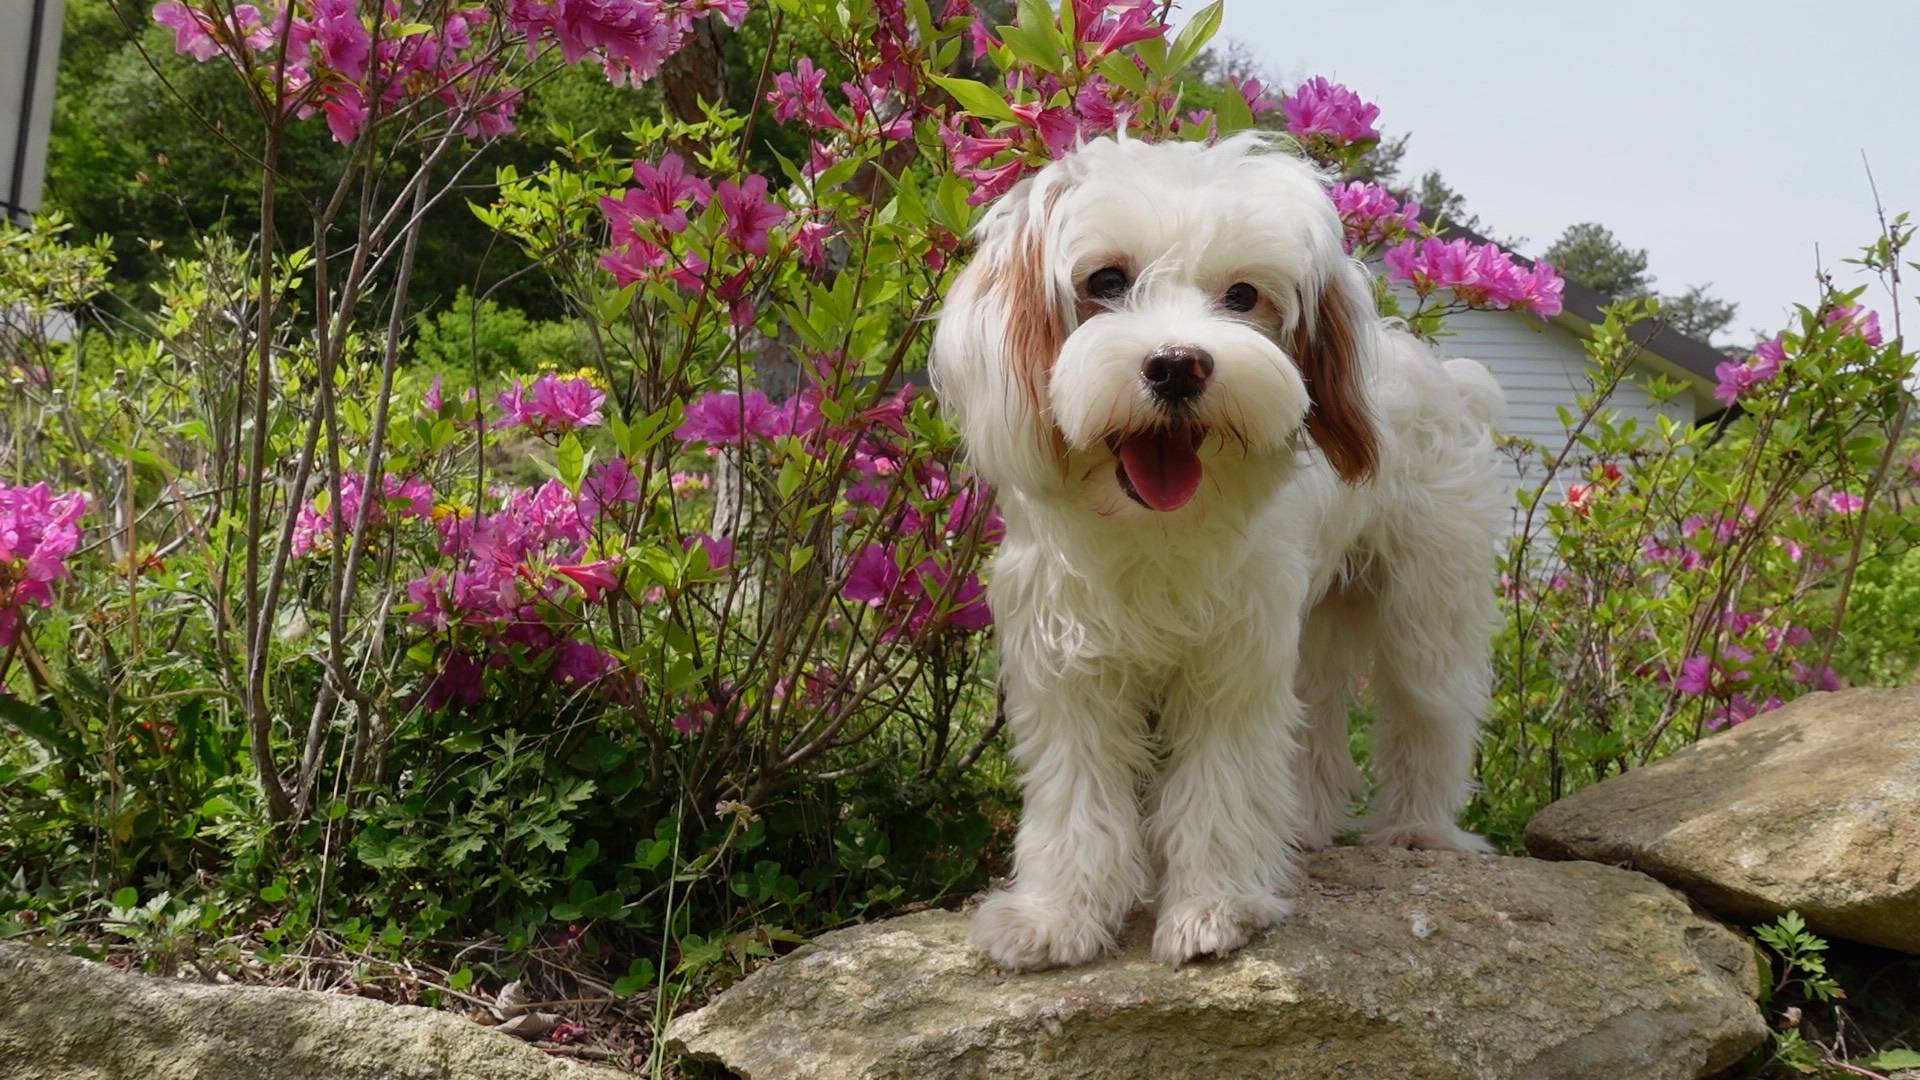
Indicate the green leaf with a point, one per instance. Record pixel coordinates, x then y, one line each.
1120 68
1033 47
639 976
1232 113
977 98
128 897
572 462
275 892
792 475
1194 36
43 726
1891 1059
461 979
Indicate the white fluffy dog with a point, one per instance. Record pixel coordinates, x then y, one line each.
1230 489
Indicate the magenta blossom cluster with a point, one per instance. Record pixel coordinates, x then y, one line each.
1754 648
631 38
351 66
1371 215
1327 110
553 405
922 504
38 531
1060 113
405 497
518 571
919 599
348 66
646 218
1738 378
1854 319
1480 275
724 418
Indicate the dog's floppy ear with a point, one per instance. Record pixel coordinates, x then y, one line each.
1004 322
1332 329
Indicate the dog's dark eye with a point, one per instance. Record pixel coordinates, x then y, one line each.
1107 283
1240 296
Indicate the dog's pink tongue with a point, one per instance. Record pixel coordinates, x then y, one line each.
1163 467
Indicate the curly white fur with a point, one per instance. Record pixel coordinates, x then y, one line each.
1241 618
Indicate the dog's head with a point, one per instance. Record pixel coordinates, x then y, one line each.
1138 316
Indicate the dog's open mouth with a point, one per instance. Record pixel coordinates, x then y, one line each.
1160 468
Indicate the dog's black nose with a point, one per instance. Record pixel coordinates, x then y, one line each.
1176 374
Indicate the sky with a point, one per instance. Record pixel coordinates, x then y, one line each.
1723 136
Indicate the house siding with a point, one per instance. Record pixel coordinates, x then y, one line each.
1543 367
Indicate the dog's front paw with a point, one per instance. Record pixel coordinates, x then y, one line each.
1213 925
1444 836
1020 932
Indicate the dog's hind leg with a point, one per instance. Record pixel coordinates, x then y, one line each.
1432 677
1334 647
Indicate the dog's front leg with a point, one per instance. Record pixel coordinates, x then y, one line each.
1227 810
1079 858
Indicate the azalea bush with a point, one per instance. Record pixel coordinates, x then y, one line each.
1664 582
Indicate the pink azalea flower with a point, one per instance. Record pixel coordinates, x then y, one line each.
1739 709
1318 107
578 663
750 215
663 188
609 484
727 418
873 577
1737 378
1480 275
990 184
802 93
38 532
1854 319
631 37
460 680
1696 675
1371 215
731 12
719 549
595 579
1254 92
1823 679
811 240
1845 502
980 36
553 404
1110 25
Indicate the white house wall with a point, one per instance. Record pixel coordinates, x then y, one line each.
1542 367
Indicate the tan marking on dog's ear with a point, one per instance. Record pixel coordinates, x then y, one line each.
1035 330
1327 347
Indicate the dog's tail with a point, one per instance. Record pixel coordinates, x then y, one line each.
1478 390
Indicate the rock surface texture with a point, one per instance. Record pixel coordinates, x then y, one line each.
1814 807
1396 964
62 1018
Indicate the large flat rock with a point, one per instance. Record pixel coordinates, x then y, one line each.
63 1018
1813 807
1397 964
